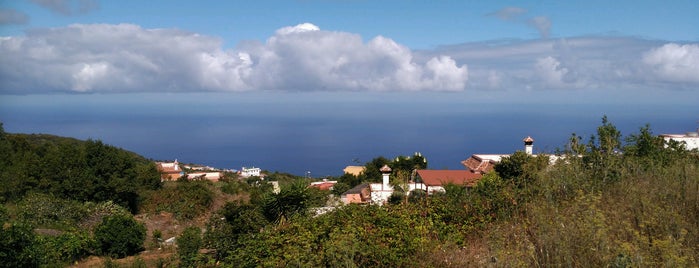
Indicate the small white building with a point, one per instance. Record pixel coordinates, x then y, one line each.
690 139
249 172
380 192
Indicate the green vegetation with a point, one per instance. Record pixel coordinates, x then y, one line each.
72 169
119 236
611 201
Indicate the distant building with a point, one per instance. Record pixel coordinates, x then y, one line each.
380 192
435 180
354 170
169 170
249 172
325 185
360 194
484 163
690 139
211 176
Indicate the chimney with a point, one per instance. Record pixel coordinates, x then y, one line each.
528 145
385 172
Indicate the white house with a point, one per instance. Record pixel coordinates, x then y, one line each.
690 139
249 172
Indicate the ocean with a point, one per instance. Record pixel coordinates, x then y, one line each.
321 133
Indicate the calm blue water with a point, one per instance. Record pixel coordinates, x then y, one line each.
323 132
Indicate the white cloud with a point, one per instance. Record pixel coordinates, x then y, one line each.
582 63
551 71
128 58
675 63
125 57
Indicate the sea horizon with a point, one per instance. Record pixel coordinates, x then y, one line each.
324 132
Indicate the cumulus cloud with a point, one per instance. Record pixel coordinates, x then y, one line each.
125 57
602 62
674 62
68 7
11 16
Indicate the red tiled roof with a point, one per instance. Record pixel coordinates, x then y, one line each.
478 165
442 177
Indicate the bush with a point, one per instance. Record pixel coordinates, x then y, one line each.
120 236
188 245
17 247
67 247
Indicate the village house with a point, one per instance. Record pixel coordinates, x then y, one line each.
249 172
433 181
690 139
484 163
430 181
360 194
169 170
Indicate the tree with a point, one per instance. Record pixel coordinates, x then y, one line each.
290 201
608 136
188 245
340 188
120 236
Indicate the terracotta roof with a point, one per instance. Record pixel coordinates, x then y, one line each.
478 165
442 177
528 139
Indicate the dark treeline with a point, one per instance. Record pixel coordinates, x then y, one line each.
72 169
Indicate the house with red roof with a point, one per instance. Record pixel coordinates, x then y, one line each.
434 180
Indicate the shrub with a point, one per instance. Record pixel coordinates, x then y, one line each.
188 245
120 236
67 247
17 247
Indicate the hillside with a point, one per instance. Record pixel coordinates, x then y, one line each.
613 201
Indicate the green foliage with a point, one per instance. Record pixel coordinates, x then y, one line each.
120 236
4 215
48 211
339 188
188 245
290 201
185 199
18 247
400 164
71 169
67 247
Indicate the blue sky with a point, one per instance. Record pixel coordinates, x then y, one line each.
90 46
416 24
